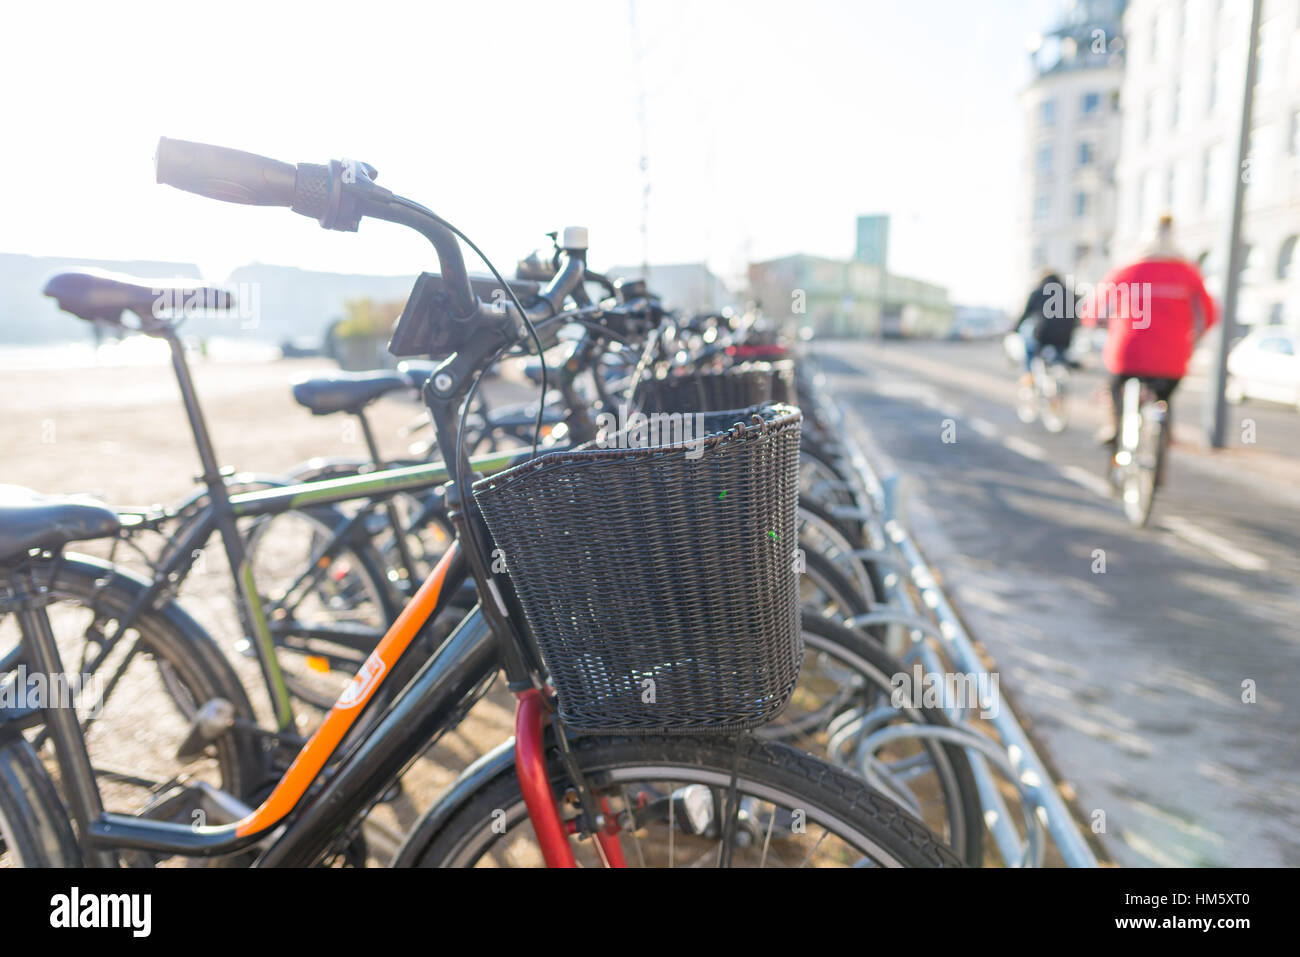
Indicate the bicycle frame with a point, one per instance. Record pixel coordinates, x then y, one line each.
257 619
408 719
493 634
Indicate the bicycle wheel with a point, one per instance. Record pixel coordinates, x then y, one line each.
819 530
671 797
827 590
136 709
844 696
425 543
34 828
326 611
1027 402
1054 410
1141 474
820 480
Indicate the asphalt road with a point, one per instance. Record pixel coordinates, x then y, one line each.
1159 668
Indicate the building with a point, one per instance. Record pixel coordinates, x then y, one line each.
1182 94
1072 141
690 287
856 299
873 240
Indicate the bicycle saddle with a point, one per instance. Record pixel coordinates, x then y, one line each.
98 294
30 520
345 391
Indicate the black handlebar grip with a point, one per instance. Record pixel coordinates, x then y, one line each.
232 176
311 194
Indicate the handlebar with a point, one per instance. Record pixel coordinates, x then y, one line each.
231 176
339 195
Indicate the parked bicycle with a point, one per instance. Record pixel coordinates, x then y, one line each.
722 799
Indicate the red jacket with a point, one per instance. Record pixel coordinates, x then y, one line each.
1157 309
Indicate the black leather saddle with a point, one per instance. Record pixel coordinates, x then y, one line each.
30 520
98 294
345 391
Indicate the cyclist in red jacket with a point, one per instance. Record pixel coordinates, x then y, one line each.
1156 309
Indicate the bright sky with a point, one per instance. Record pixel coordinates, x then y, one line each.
770 126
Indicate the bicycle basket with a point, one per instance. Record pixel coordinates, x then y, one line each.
659 581
735 387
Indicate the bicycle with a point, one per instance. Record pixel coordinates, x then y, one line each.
834 583
1046 398
1138 463
717 792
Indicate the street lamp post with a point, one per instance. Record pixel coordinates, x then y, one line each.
1216 412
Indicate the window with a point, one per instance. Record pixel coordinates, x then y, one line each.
1294 140
1276 344
1212 173
1081 253
1214 84
1177 112
1169 188
1047 113
1249 262
1040 256
1042 205
1082 204
1090 103
1043 160
1087 153
1148 118
1286 257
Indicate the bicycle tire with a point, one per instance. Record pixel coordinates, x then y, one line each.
359 557
34 827
868 659
837 588
459 831
865 573
189 660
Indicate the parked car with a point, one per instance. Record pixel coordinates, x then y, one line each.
1265 365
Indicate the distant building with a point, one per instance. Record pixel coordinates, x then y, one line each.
1072 142
873 240
857 299
1182 93
690 287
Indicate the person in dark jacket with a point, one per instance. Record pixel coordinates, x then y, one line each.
1048 321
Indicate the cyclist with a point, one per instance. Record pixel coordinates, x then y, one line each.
1156 309
1048 322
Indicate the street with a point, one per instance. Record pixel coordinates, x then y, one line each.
1155 667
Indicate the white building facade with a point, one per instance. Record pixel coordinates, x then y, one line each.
1185 71
1072 135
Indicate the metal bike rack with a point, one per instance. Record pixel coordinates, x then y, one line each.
931 624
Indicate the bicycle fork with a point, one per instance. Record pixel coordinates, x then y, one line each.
534 781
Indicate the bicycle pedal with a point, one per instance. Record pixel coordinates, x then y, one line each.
213 719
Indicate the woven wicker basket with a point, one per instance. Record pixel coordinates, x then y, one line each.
660 582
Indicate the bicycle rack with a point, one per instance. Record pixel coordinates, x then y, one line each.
930 626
